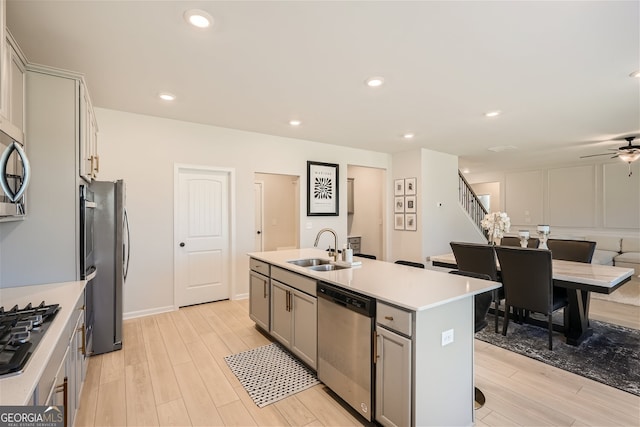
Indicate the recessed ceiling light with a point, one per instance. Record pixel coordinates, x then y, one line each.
166 96
408 135
465 170
295 122
375 81
635 74
492 113
198 18
501 148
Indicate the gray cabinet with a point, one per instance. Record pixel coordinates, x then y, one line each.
294 314
393 366
40 252
259 293
63 377
13 89
356 243
88 144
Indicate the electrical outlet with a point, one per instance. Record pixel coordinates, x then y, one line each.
447 337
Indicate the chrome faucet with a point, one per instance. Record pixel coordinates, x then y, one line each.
334 254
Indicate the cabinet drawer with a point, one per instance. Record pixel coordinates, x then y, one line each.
301 283
394 318
259 266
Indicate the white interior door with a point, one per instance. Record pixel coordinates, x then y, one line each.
202 236
258 232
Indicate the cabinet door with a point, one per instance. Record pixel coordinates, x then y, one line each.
86 158
304 341
393 379
94 146
281 317
259 299
4 77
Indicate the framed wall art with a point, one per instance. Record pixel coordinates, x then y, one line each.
410 222
410 204
398 187
398 223
322 189
410 186
398 206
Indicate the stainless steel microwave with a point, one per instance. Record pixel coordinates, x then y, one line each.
14 178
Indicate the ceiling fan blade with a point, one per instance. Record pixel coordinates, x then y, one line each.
595 155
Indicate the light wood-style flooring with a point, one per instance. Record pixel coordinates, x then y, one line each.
171 372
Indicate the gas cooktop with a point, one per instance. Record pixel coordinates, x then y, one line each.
21 330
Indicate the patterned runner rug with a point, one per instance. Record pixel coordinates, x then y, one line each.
610 356
269 373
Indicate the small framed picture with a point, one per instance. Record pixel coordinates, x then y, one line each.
398 188
410 204
410 222
399 222
410 186
398 206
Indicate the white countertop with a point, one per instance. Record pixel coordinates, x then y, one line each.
18 389
412 288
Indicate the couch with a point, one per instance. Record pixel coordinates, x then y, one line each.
618 251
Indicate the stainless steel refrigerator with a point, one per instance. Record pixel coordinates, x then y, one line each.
111 258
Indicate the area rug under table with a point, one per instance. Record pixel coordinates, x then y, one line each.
610 356
269 373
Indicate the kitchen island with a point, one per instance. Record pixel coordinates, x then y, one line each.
423 347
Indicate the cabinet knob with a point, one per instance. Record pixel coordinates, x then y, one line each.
182 244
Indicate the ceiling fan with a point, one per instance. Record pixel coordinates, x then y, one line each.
627 153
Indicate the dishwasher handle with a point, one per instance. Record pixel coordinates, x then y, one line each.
350 300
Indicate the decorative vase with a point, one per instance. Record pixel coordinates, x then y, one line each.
496 241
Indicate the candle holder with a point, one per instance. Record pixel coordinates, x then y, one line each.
543 232
524 238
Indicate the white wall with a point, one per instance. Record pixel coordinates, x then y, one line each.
444 218
441 218
576 200
142 150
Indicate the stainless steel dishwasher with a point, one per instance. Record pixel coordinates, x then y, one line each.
345 346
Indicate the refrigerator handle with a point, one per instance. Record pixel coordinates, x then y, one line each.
126 254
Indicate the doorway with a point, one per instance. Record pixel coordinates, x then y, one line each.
278 217
202 235
367 218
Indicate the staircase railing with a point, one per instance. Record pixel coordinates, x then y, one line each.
470 202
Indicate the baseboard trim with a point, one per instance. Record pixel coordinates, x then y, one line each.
149 312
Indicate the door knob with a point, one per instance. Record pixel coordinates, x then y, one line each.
258 232
182 244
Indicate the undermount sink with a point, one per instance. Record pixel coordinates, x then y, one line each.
310 262
327 267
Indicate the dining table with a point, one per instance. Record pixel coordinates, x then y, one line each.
579 279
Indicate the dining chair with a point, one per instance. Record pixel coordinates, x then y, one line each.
481 308
365 256
515 241
410 263
572 250
481 259
527 278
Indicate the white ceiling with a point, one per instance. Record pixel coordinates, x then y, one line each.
558 70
